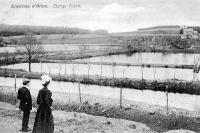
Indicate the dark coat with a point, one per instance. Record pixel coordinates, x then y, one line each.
44 118
25 98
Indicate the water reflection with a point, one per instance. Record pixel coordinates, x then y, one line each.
106 70
151 58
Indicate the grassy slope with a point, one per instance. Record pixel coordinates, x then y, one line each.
167 30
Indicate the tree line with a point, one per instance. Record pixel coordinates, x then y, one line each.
15 30
196 28
161 40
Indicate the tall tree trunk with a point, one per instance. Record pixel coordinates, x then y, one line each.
29 64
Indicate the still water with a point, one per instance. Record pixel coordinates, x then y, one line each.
184 101
109 71
149 58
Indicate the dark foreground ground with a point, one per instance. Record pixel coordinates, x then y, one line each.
69 122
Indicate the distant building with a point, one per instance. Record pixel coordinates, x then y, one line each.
189 33
183 26
195 35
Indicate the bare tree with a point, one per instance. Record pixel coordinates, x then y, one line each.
30 49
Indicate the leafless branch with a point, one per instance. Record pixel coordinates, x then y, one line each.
30 49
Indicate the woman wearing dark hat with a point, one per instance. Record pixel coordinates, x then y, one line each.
44 118
25 103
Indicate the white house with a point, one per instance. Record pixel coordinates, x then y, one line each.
189 33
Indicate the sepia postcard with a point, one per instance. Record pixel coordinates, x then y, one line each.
99 66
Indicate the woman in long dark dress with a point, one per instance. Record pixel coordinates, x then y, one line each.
44 118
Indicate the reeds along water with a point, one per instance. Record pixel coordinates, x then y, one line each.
175 87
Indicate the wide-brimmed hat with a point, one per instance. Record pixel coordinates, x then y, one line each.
25 81
46 79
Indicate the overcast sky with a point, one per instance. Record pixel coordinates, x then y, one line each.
112 15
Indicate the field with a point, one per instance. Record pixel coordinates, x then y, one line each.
68 38
158 30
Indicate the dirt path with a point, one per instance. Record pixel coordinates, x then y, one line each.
70 122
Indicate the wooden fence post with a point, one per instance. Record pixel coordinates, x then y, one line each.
194 68
79 92
165 74
60 67
121 91
113 71
193 76
15 83
73 71
155 74
41 66
175 75
142 72
167 99
121 97
49 70
101 71
88 71
65 68
5 71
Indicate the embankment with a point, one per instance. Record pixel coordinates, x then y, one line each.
13 58
174 86
78 55
121 64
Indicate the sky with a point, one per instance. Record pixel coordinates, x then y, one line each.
111 15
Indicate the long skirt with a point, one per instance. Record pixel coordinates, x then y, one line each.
43 120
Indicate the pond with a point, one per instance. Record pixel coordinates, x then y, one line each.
109 71
151 58
184 101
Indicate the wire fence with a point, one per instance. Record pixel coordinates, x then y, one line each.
63 69
114 71
80 93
